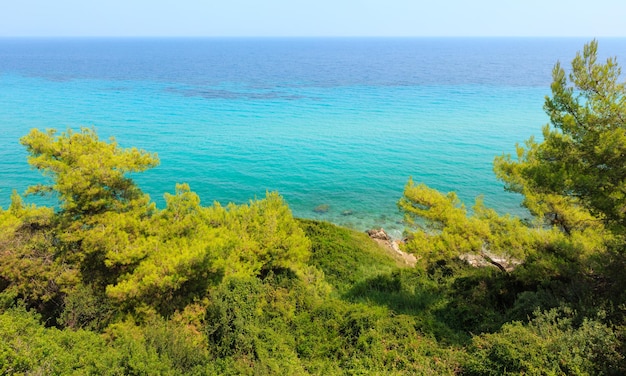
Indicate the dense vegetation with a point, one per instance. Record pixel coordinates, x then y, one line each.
107 283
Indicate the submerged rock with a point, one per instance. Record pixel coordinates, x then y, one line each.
323 208
346 213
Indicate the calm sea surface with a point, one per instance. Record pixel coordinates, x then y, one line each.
337 122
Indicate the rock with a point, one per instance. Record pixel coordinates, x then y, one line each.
504 263
380 234
476 261
396 247
488 259
323 208
381 237
408 258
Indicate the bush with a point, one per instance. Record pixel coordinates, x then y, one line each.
549 345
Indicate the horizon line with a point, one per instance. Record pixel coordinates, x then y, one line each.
303 36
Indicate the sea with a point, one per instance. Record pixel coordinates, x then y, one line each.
336 125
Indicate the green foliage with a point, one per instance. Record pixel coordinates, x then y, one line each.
448 231
269 237
27 348
84 308
549 345
100 229
573 180
87 174
29 268
159 347
575 176
194 247
266 325
109 238
173 274
345 256
249 320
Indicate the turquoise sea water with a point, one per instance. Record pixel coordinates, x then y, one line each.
342 123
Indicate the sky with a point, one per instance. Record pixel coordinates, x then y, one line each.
316 18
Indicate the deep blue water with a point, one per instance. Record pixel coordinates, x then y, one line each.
342 122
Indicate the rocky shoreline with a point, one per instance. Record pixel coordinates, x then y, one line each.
393 246
484 259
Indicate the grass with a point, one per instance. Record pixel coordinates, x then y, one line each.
347 257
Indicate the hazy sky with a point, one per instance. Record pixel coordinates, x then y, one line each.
598 18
